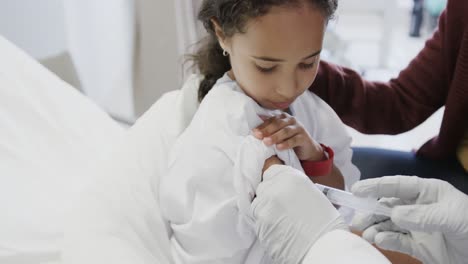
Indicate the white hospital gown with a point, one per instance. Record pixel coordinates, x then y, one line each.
215 166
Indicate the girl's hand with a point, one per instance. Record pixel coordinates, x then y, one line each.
273 160
286 132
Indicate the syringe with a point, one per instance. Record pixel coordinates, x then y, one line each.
347 199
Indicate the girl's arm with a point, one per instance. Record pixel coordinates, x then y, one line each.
335 179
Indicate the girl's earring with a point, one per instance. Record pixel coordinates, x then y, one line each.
225 53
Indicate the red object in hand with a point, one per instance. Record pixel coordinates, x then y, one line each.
319 168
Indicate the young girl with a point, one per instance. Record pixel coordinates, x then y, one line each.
257 64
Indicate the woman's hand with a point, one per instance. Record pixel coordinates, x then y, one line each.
286 132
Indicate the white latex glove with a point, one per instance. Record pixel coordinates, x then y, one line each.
429 220
291 214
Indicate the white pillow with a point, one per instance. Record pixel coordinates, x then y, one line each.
50 135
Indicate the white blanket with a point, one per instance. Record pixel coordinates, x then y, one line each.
215 166
50 134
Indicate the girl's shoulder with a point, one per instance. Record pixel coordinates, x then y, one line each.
227 94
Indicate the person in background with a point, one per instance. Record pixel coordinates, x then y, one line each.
417 17
434 9
435 78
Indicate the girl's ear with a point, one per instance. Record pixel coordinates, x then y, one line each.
220 35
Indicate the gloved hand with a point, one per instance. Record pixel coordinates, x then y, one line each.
291 214
429 220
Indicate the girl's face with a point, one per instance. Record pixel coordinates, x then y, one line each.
277 57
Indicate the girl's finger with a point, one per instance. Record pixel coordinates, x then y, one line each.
266 123
276 125
291 143
258 131
282 135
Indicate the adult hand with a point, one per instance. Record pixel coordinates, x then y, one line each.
429 219
291 214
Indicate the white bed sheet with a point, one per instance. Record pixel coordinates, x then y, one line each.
50 135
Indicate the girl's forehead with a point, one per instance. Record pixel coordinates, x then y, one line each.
287 17
284 30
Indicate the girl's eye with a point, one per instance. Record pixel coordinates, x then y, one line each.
266 70
306 66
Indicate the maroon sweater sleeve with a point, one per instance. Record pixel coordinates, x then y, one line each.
388 107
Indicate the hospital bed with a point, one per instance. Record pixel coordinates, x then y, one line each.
66 168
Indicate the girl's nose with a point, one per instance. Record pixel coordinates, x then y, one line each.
288 88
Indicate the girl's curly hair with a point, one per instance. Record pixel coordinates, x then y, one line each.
232 16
